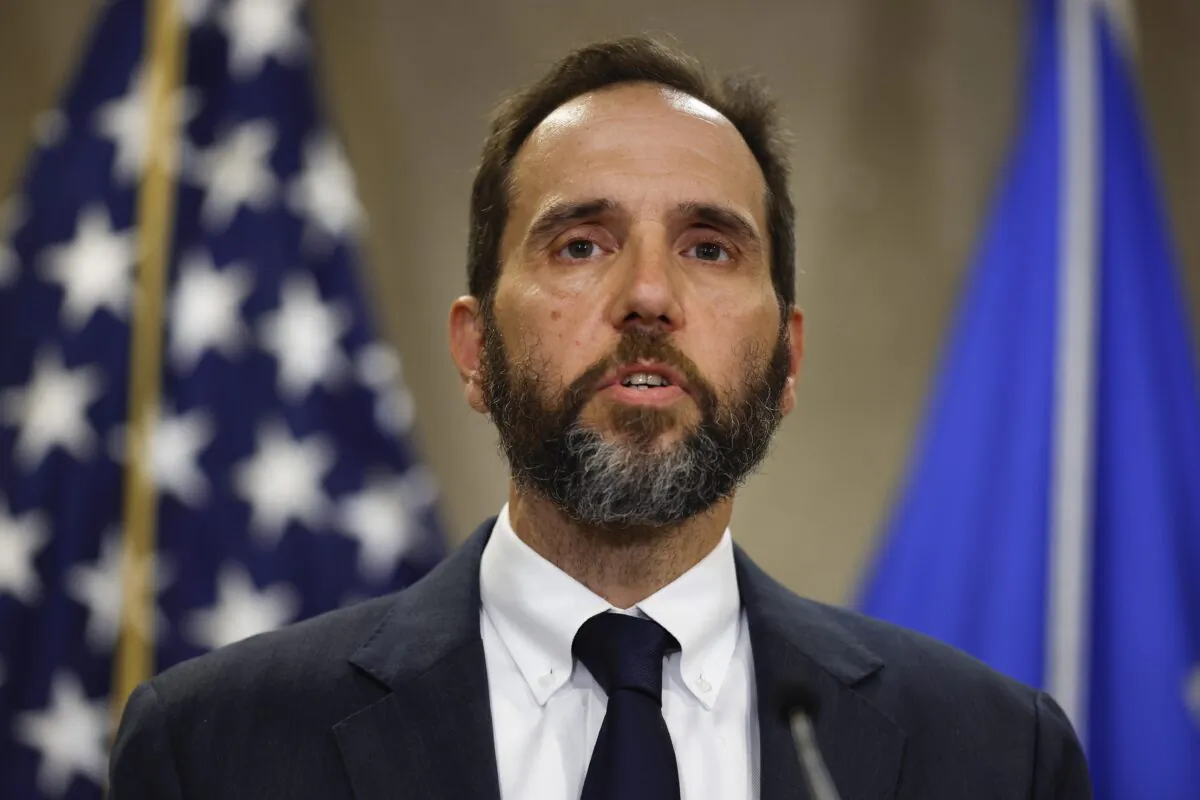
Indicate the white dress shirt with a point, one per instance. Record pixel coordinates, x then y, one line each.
547 711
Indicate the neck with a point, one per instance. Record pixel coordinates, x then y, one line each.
623 565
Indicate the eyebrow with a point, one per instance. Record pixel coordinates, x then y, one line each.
725 219
563 214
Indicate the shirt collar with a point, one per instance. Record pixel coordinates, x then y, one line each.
536 609
702 610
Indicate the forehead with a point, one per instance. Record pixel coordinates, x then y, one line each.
637 144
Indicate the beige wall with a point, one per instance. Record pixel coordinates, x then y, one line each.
901 112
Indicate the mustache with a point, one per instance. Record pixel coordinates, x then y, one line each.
635 346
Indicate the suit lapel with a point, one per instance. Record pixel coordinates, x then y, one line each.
430 736
798 641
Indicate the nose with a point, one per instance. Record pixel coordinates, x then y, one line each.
649 284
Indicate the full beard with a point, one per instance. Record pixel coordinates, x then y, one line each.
631 480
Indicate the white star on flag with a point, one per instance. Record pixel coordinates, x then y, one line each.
241 610
21 539
303 335
195 12
12 216
125 122
101 589
378 367
95 269
71 735
235 172
324 193
173 453
383 519
282 481
206 310
51 410
262 29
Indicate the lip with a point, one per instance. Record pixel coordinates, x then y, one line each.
612 383
655 398
673 376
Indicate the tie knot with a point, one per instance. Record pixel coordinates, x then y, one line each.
624 652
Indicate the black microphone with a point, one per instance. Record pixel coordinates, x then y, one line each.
798 705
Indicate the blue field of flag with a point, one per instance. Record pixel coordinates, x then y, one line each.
287 481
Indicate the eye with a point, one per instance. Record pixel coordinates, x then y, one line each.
578 249
709 251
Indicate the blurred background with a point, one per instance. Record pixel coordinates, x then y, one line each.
904 118
902 115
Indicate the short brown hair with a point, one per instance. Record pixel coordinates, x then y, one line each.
627 60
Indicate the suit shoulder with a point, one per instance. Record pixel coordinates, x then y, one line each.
953 708
300 658
923 657
231 719
891 661
900 645
922 681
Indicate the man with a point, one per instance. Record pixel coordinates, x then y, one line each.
631 329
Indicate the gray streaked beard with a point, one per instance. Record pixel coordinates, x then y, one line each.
617 486
631 482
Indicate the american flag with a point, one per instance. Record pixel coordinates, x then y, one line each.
287 483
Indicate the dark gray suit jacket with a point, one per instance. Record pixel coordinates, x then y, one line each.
389 699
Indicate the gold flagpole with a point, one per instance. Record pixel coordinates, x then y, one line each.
163 68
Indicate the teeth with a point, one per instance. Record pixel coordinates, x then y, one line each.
643 380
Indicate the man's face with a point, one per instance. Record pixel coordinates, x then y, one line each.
633 357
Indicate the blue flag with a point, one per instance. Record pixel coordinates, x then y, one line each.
286 479
977 553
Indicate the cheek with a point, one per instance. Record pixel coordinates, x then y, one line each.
554 335
565 321
734 339
535 315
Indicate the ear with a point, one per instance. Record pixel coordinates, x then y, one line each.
795 325
466 348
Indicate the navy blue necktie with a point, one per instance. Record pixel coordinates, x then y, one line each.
633 758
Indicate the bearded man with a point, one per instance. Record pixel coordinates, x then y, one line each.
632 331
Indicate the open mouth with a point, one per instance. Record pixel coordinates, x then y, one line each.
645 381
645 384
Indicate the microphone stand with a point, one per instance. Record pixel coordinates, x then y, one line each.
799 706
